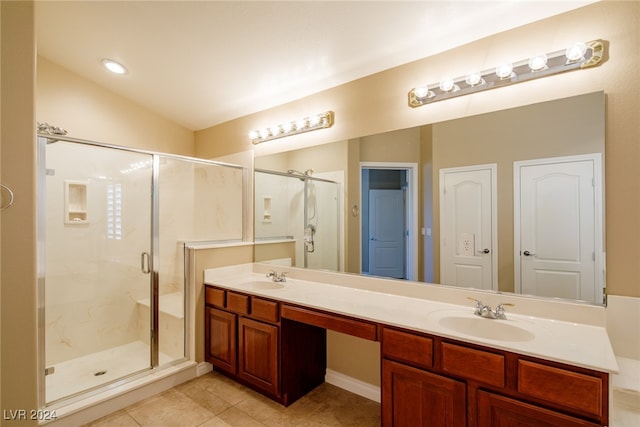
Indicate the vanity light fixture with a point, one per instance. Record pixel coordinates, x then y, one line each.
294 127
504 71
575 57
114 67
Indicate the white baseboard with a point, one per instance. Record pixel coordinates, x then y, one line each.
629 376
203 368
353 385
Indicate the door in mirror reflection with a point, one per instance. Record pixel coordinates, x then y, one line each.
557 227
387 233
467 226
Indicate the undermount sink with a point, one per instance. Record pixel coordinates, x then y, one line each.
263 285
486 328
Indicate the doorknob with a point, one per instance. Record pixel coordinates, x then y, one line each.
527 253
484 251
372 238
10 202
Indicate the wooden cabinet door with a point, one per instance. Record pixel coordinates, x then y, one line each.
220 339
258 354
412 397
495 410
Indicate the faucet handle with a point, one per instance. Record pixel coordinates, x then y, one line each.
503 305
499 312
479 305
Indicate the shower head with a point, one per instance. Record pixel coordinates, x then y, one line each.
306 173
298 174
47 129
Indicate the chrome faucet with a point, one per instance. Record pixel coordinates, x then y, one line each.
277 277
489 313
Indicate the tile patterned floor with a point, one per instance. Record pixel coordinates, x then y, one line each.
215 401
626 409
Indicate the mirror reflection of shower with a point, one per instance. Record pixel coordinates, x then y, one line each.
301 207
310 212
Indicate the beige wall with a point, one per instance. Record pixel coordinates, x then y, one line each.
272 251
563 127
378 103
18 304
88 111
367 106
2 203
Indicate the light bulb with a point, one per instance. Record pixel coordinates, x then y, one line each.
447 85
275 130
538 63
421 92
301 124
473 79
253 134
264 133
504 70
287 127
314 120
576 52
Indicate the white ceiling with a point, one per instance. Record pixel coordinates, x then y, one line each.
201 63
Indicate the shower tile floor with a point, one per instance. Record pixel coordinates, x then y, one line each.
76 375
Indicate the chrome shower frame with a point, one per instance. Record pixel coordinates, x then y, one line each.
43 139
306 177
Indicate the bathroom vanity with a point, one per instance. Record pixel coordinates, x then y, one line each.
441 364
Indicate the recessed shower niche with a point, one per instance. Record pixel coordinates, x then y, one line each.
75 202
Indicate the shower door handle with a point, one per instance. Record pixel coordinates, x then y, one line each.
144 262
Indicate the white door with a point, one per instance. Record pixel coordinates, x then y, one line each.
556 228
386 233
468 241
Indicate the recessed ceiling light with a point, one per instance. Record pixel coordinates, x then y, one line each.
114 66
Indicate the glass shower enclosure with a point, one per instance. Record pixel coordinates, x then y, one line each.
303 209
113 223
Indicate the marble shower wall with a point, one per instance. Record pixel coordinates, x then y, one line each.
279 213
94 280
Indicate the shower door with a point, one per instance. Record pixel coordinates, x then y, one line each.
322 224
97 271
304 210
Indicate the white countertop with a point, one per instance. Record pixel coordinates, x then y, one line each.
563 332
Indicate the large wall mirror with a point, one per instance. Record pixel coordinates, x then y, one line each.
509 201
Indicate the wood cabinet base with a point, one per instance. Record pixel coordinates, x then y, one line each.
246 340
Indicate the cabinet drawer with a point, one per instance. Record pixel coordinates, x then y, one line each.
238 303
265 310
496 410
562 387
474 364
407 347
346 325
214 296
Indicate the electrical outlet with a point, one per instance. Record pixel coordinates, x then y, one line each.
466 244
